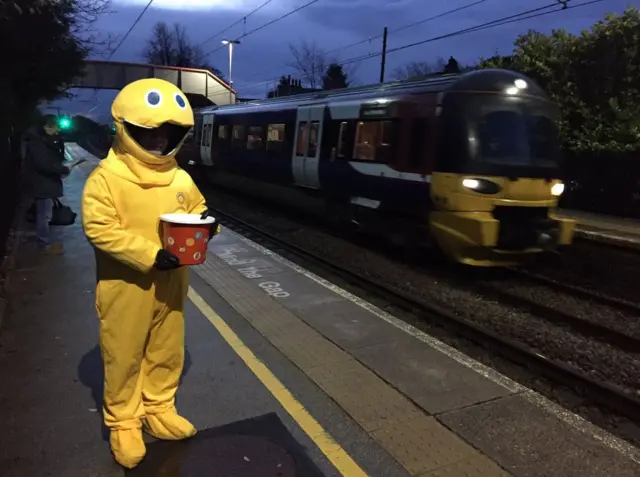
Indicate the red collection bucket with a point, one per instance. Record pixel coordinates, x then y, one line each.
186 236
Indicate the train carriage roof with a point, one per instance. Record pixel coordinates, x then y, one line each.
486 80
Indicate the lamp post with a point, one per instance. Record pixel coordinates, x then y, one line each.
230 43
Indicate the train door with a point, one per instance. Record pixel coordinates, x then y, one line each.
206 140
306 153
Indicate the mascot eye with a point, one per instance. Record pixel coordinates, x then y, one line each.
180 100
154 98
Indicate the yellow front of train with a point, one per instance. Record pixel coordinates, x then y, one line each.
496 182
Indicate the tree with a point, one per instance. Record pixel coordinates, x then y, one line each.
335 77
82 13
172 47
452 66
593 78
43 67
418 69
310 62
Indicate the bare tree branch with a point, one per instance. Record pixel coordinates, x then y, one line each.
86 13
310 62
418 69
81 18
172 47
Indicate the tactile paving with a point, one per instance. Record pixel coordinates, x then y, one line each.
418 442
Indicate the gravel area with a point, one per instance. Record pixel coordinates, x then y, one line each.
595 266
597 359
608 316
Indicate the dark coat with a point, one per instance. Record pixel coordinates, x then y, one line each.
43 165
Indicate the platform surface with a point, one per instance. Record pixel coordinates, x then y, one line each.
283 370
605 227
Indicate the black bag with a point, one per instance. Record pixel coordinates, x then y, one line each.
62 214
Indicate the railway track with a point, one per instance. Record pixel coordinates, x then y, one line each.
615 333
599 392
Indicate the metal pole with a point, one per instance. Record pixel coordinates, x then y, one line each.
383 61
230 66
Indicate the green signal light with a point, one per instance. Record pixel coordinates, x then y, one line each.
65 123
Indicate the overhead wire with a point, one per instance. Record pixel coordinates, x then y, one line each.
282 17
405 27
130 29
410 25
563 7
529 14
243 19
134 24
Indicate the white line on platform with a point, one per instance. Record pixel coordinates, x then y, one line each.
570 418
615 238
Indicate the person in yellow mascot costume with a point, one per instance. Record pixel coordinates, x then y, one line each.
141 289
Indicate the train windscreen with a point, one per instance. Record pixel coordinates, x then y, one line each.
513 131
489 133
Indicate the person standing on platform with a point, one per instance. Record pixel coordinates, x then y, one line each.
142 289
44 171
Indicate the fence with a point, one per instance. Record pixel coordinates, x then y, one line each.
9 186
606 184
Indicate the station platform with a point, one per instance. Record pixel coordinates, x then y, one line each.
285 375
605 227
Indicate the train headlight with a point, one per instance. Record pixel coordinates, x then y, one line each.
482 186
557 189
520 84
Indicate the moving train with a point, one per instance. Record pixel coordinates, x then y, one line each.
468 162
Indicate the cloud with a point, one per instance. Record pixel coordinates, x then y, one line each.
333 24
188 5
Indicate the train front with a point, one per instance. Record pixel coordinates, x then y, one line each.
496 181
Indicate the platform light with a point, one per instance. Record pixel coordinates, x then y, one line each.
557 189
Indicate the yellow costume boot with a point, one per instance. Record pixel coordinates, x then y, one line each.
168 425
127 447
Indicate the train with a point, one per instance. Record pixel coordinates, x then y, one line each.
468 163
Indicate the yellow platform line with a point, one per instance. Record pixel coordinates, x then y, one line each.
327 445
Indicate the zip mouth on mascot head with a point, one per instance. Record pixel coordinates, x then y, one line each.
152 119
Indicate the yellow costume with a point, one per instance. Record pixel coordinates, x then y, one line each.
140 307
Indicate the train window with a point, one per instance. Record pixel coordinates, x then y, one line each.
302 138
197 137
275 137
254 138
342 139
203 141
503 137
206 138
543 138
313 139
374 140
237 136
223 132
418 134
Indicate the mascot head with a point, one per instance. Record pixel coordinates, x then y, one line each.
152 119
